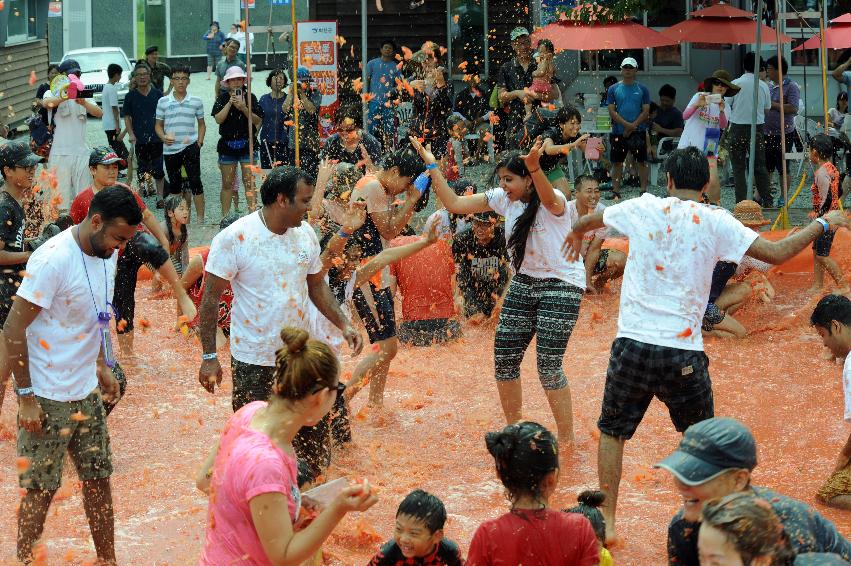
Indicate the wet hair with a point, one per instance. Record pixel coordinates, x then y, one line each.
282 180
822 145
589 506
343 179
830 308
184 69
517 242
577 182
751 526
668 91
303 366
116 202
113 69
546 43
424 507
688 169
170 205
783 65
274 73
568 113
352 112
524 453
406 159
749 62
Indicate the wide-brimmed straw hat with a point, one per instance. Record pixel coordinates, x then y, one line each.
749 213
722 77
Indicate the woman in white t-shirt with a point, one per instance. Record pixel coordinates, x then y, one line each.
705 118
544 295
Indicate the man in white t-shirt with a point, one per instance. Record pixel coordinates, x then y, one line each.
57 338
674 244
69 154
111 120
832 320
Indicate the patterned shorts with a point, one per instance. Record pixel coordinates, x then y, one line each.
639 371
839 483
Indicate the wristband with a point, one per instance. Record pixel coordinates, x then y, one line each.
534 170
824 224
25 392
342 234
431 166
211 356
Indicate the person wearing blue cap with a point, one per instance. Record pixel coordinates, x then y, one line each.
309 101
69 154
716 458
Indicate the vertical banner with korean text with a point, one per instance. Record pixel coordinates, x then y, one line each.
317 50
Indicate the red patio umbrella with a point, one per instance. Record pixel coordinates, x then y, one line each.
837 36
720 24
571 33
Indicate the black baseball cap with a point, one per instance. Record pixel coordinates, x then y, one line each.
68 66
710 448
105 155
18 154
152 49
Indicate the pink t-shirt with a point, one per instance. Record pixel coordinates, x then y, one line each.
248 464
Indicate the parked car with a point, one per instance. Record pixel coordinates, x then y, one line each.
93 63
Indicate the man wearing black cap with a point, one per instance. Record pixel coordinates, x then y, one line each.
715 458
482 263
69 154
513 81
158 70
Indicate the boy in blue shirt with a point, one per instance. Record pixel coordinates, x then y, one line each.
381 75
629 107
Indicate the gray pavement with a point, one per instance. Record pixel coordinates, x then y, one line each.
211 178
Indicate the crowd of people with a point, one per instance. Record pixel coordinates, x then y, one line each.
326 248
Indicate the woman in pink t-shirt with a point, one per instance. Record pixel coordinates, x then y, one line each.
251 475
531 533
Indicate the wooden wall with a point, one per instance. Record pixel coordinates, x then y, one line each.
16 65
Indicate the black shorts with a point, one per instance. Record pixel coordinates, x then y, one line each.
150 157
822 245
117 146
429 332
384 327
635 143
600 266
774 150
639 371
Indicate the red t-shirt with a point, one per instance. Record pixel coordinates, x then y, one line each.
535 538
82 202
425 280
196 293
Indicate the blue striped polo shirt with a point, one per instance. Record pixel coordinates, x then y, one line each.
180 117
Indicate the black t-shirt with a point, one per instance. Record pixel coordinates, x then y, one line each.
235 127
445 553
12 235
142 109
470 105
335 150
42 111
480 266
549 162
512 77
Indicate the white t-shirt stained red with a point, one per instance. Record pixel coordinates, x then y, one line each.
673 247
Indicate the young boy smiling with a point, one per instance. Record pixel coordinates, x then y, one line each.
418 537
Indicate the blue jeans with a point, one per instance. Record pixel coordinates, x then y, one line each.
381 120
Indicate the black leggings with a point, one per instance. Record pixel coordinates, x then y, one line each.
141 249
190 158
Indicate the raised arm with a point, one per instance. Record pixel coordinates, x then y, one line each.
782 250
392 255
543 187
353 220
467 204
573 241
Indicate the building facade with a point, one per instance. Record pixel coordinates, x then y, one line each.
23 51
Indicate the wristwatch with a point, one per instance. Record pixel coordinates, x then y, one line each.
25 392
210 356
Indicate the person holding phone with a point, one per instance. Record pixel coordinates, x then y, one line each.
232 114
705 118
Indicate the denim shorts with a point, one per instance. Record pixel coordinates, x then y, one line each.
234 159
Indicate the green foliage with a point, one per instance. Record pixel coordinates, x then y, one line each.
610 12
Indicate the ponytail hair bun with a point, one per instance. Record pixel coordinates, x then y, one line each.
294 339
592 498
524 453
303 365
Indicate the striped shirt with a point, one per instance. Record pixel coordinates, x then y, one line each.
180 119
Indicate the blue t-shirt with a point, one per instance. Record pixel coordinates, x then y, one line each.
382 77
273 128
143 113
628 100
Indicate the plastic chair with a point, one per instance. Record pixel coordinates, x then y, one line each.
671 144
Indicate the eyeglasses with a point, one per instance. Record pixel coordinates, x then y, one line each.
28 168
339 388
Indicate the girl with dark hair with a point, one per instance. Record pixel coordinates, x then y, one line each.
384 221
274 131
589 506
531 533
251 474
176 220
544 296
431 107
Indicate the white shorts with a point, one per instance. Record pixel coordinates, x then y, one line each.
72 176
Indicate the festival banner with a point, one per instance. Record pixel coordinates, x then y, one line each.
317 50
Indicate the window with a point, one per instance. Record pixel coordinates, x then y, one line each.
468 44
800 31
21 23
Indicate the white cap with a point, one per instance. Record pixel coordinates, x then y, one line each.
629 61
